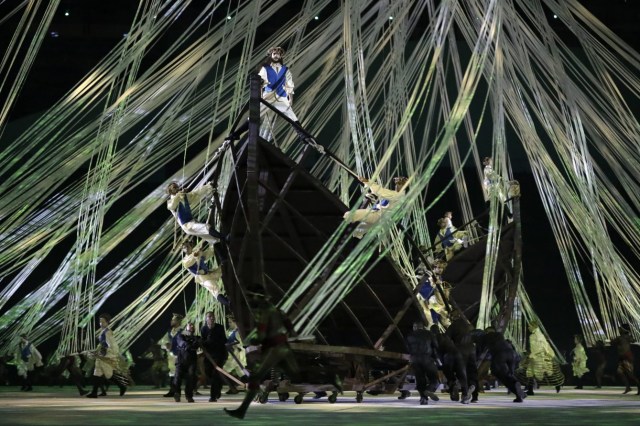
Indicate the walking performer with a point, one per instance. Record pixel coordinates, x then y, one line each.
579 362
625 358
386 198
504 360
108 364
170 344
30 358
272 329
196 261
238 359
423 349
186 362
541 365
214 342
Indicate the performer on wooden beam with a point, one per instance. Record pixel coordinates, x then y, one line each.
277 89
385 200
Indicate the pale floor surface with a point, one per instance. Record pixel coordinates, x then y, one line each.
144 406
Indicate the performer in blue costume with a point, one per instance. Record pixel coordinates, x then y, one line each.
277 89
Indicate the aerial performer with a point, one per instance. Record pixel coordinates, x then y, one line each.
108 362
180 204
196 261
448 240
277 90
495 186
386 199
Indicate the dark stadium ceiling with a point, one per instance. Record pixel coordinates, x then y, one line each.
83 31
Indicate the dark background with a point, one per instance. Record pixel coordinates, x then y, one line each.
92 28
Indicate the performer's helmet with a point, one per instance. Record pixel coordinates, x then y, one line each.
105 316
177 317
278 49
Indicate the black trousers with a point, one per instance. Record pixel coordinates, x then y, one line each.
503 367
214 377
185 371
426 374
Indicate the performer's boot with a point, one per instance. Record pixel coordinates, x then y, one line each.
234 136
520 395
96 381
424 400
530 388
578 383
176 395
404 394
558 388
120 380
223 300
172 390
82 391
466 397
454 392
240 412
233 389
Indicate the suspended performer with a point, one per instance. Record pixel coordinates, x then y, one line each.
277 89
180 204
197 263
108 363
448 239
386 198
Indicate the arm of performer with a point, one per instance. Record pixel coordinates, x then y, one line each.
288 86
198 194
380 191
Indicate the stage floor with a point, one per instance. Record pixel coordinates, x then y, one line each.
144 406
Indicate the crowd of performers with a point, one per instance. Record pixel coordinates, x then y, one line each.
461 361
446 352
